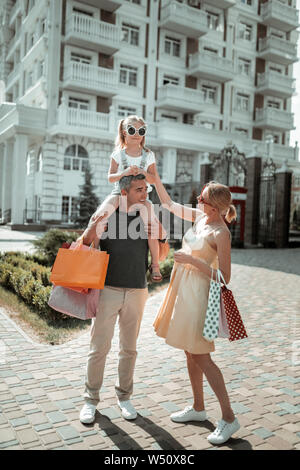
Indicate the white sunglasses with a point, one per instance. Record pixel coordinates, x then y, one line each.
131 130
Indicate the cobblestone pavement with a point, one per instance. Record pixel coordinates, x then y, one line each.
41 386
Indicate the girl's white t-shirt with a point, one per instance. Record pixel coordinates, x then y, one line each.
116 155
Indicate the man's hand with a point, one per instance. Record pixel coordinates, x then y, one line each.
95 228
132 171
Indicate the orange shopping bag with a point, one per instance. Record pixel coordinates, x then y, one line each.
80 268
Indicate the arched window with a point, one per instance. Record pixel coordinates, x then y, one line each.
76 158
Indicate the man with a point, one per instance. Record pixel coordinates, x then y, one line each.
124 295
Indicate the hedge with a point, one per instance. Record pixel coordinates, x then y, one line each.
23 275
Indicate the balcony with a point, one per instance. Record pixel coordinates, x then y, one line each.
275 119
278 15
14 12
275 84
180 99
211 67
13 77
183 19
277 50
80 121
84 31
221 3
13 44
108 5
98 80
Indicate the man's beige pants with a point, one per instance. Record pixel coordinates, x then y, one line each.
129 305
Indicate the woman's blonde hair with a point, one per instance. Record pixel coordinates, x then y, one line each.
219 196
123 123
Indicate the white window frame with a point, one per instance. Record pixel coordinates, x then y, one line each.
242 102
213 20
245 31
274 103
129 30
124 110
170 79
172 41
210 93
243 63
130 70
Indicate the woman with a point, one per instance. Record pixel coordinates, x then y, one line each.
181 317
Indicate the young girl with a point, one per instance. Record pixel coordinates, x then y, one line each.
181 316
131 157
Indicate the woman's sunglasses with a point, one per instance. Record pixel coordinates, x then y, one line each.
131 130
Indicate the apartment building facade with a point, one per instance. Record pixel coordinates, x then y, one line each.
201 73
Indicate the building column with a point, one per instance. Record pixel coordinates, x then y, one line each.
1 178
283 203
169 165
252 203
6 184
19 179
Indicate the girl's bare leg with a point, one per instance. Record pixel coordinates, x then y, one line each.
196 379
216 381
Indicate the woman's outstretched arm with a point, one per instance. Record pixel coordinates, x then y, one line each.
184 212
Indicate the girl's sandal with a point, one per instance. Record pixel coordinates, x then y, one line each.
155 273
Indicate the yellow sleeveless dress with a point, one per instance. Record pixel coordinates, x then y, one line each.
181 316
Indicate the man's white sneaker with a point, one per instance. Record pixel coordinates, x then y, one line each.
87 413
223 431
188 414
127 410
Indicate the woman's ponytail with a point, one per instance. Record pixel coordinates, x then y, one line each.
231 214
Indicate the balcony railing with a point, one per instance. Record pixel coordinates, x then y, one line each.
180 98
211 66
274 119
275 84
103 80
85 28
82 118
184 19
278 50
13 76
278 14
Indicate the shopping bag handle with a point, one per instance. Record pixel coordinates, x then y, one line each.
79 243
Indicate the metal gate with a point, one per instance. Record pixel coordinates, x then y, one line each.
267 204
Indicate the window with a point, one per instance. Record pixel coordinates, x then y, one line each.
247 2
212 20
242 131
209 94
172 46
78 103
207 124
137 2
210 50
69 209
242 102
82 12
44 26
76 158
124 111
130 34
128 75
244 66
168 79
245 31
275 69
83 59
39 161
169 117
273 104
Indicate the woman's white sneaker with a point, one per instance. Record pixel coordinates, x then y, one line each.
223 431
87 413
188 414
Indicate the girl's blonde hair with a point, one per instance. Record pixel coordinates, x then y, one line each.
123 123
220 197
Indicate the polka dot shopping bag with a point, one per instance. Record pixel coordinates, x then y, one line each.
235 323
211 324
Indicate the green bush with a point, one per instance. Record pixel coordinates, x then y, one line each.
49 244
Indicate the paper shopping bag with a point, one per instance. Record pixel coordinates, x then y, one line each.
74 304
80 268
234 320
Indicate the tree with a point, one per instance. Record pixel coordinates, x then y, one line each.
87 200
193 199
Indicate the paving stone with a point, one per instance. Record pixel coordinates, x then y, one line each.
67 432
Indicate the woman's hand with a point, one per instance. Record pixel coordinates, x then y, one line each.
181 257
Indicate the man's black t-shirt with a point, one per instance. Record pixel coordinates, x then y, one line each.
127 245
